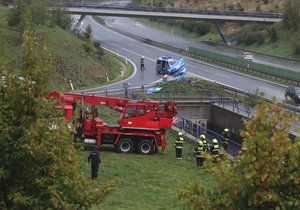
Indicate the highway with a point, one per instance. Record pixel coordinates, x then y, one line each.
127 24
133 50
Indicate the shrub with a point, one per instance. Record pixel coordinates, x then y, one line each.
297 48
202 28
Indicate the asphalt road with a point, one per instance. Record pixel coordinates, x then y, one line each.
130 26
133 50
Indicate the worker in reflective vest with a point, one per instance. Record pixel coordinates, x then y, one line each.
179 145
203 139
225 139
215 149
199 153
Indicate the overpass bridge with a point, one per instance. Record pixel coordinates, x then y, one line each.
173 13
128 10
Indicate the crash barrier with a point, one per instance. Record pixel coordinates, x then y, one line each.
226 61
240 64
133 7
195 129
210 96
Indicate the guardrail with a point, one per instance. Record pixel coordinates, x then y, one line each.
243 65
194 129
133 7
226 61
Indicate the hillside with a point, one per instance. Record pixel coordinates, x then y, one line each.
69 57
260 38
246 5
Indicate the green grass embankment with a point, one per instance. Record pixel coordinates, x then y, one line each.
144 182
70 59
178 31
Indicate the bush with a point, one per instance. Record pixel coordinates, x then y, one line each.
273 34
297 48
202 28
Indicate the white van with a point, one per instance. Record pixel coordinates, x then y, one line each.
247 56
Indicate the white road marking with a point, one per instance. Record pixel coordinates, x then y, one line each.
222 75
197 61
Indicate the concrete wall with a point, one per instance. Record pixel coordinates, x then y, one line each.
218 118
222 118
195 111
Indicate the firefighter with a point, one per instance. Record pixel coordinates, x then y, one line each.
215 149
179 145
142 63
203 139
94 159
199 153
225 139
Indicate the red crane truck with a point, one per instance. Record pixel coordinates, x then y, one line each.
141 126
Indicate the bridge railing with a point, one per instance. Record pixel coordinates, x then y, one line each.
134 7
195 129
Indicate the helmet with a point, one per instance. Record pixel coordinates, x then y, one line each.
214 141
226 129
179 133
200 143
202 136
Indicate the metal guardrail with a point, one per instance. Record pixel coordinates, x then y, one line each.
245 66
133 7
196 130
216 61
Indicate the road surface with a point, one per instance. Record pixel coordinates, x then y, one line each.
133 50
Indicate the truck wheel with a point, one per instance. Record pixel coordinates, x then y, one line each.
125 146
145 147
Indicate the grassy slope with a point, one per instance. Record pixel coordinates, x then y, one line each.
283 47
70 59
145 182
212 37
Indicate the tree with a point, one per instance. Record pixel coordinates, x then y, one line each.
291 14
38 8
265 176
38 165
60 18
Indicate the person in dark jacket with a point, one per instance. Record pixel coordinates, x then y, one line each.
142 63
94 159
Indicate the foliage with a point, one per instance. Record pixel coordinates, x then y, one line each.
297 48
37 7
60 18
265 176
291 14
38 166
273 34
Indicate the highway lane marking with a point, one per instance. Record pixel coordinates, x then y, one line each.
197 61
134 73
140 55
222 75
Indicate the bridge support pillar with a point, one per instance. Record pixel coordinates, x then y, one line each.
79 22
220 27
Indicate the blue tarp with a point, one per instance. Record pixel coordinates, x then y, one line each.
178 69
153 90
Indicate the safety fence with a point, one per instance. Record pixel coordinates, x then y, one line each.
134 7
210 96
240 64
195 129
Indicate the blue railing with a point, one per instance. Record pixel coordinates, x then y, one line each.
195 129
